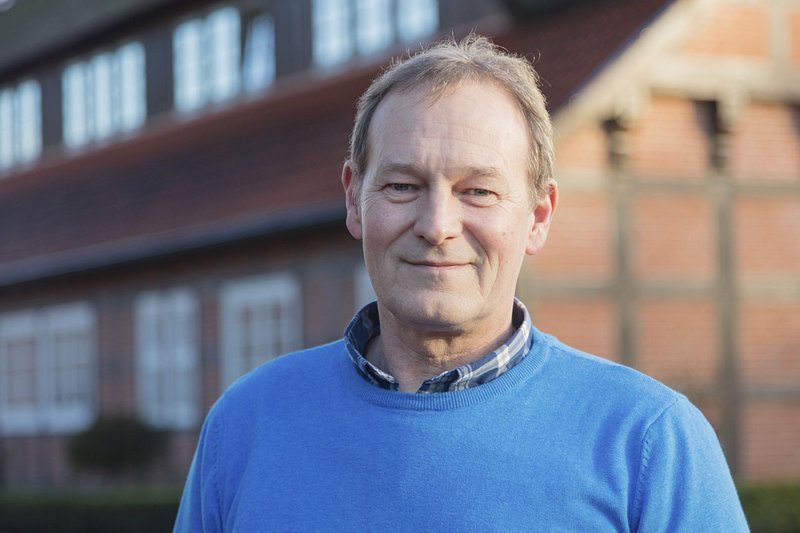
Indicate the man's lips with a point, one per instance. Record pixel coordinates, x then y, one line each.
436 264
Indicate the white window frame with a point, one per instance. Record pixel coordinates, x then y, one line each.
249 294
104 95
18 419
417 19
64 417
20 123
374 25
259 64
168 358
343 29
332 40
48 414
218 55
207 62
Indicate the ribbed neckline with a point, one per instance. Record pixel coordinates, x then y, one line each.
444 401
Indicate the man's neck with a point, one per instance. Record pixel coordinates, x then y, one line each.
412 356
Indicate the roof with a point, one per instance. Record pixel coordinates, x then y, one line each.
569 47
261 167
33 28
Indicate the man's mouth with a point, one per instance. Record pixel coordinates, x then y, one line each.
436 264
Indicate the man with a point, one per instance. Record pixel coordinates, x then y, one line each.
443 409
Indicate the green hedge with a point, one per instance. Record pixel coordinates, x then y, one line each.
115 444
772 508
769 509
119 511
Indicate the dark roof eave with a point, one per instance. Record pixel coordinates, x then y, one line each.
615 54
147 247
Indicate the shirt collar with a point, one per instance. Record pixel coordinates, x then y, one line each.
365 326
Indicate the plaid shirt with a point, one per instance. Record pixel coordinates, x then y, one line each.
365 326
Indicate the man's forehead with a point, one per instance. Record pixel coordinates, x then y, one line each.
477 106
426 94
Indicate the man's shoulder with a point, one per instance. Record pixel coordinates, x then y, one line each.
605 379
292 371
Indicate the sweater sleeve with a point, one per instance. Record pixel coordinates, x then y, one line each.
684 483
199 509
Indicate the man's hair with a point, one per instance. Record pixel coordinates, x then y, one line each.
446 65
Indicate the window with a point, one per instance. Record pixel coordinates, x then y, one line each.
208 63
344 28
259 55
417 19
20 124
167 358
374 25
260 320
104 95
332 42
47 370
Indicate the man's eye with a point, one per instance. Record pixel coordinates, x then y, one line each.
480 197
400 187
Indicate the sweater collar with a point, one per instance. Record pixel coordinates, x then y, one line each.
365 326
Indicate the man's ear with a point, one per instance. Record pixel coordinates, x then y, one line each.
351 202
543 213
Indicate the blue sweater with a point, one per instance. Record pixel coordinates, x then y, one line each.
562 442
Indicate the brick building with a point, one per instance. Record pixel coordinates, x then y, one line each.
171 213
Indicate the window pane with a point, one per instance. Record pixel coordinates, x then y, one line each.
373 25
260 320
30 121
20 123
20 375
100 67
167 358
132 98
332 41
259 59
73 85
71 370
6 128
222 49
187 66
417 18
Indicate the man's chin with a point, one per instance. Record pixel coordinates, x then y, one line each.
440 313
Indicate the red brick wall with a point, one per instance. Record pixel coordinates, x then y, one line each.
767 227
587 323
677 340
769 337
770 432
741 29
765 145
669 141
586 148
672 237
580 244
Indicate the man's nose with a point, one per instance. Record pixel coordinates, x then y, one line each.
439 217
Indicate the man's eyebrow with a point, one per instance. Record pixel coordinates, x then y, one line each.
481 172
393 167
416 170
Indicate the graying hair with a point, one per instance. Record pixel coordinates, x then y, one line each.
448 64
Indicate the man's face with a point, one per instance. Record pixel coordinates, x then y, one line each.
445 210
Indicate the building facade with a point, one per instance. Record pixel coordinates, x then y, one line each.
171 213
